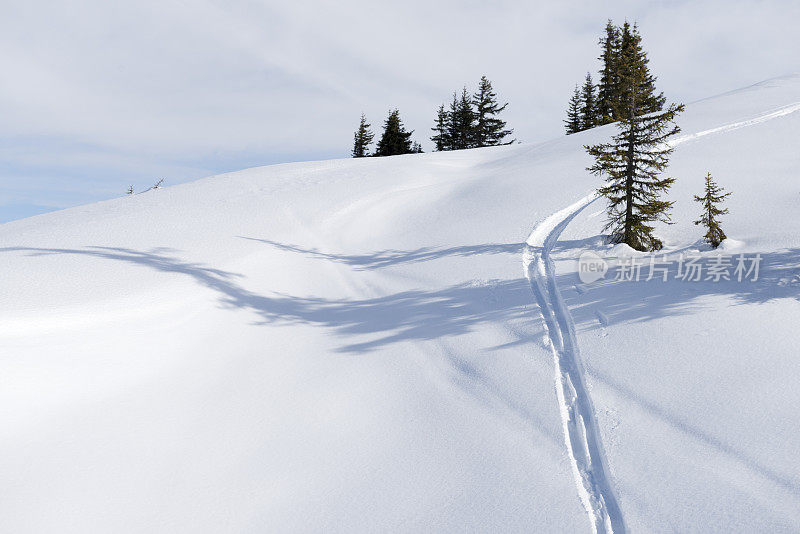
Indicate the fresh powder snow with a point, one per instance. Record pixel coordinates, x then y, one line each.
403 344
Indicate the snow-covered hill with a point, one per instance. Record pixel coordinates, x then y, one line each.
353 345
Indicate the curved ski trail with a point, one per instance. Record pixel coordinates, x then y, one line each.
581 432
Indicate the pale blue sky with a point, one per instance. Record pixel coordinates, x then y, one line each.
98 95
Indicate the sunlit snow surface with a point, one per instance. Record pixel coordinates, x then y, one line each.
353 345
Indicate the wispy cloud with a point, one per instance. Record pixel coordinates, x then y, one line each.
103 93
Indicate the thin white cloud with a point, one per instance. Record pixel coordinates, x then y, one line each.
195 85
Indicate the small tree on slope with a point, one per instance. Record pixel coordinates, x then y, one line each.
713 196
573 122
395 139
362 139
638 154
489 130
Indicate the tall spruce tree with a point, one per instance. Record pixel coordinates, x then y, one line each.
489 129
452 124
609 79
573 121
441 138
462 122
588 105
631 54
712 197
395 139
362 139
638 154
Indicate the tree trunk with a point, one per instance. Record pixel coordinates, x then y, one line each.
629 176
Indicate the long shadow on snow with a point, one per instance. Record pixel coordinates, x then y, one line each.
386 258
408 315
629 302
632 301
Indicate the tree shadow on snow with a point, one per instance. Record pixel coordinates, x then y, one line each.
386 258
407 315
614 301
380 321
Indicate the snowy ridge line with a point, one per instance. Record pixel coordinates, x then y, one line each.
780 112
581 433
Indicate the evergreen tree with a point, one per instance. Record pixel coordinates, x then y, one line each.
452 124
362 139
395 139
637 155
489 130
462 122
588 113
630 57
573 122
442 137
609 79
416 148
709 219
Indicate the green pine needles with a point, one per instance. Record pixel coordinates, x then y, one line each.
573 123
712 197
635 158
588 106
582 110
395 139
362 139
489 129
471 121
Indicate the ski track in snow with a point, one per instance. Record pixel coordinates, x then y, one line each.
581 432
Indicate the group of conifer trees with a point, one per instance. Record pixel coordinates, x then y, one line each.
471 121
633 161
595 105
395 139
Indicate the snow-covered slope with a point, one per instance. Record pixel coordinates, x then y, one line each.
353 345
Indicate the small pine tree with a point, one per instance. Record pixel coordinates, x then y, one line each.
588 113
637 154
362 139
416 148
462 122
441 139
395 139
130 190
709 219
573 122
608 84
489 130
